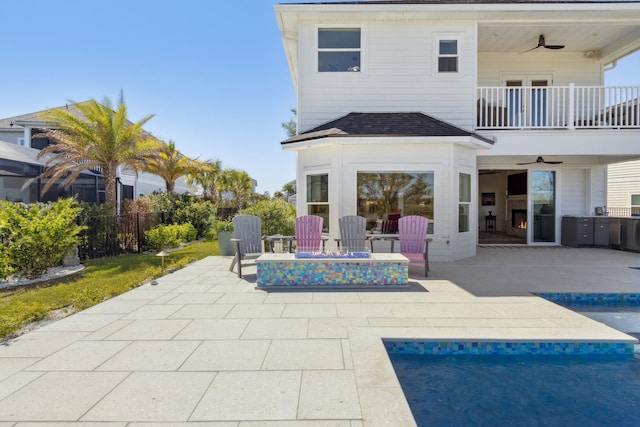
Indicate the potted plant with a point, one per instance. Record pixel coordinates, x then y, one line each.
225 234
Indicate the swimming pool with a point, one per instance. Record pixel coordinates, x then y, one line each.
520 390
489 383
618 310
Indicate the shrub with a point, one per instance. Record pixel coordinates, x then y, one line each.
169 236
277 216
187 232
5 266
184 208
162 237
38 236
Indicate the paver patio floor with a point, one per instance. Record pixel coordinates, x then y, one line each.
204 348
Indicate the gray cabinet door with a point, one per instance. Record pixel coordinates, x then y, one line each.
601 231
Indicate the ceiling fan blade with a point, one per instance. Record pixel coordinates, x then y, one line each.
540 159
533 48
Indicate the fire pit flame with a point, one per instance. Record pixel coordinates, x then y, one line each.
333 254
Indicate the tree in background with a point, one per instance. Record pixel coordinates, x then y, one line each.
94 137
169 164
208 178
277 216
290 127
289 189
237 183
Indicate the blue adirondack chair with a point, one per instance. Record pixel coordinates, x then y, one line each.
248 240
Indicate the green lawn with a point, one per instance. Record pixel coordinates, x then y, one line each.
100 280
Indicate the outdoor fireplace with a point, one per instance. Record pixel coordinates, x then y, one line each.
519 218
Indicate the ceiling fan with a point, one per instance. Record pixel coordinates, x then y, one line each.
542 43
540 160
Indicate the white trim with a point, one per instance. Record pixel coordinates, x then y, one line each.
341 140
460 55
304 199
470 224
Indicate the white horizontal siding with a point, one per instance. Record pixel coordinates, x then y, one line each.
397 74
623 180
564 68
574 191
11 137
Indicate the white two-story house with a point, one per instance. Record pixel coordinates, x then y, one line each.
487 117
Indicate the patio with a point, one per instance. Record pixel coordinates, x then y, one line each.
204 346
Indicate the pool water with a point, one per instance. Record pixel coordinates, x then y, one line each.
521 390
620 311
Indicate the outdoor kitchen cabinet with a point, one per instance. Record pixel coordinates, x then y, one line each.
578 231
601 231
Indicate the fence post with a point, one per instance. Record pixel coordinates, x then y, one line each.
138 233
572 105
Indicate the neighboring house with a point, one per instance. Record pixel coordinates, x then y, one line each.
458 109
19 163
623 193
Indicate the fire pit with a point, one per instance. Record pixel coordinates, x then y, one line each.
332 269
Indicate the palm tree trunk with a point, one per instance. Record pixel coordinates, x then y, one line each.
109 187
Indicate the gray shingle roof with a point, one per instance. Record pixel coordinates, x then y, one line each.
383 124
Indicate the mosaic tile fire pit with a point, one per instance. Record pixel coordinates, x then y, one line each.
278 270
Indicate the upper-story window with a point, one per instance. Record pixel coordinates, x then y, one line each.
339 49
447 56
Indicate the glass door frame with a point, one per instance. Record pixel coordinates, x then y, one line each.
542 217
527 108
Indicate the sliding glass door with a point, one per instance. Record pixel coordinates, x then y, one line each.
543 206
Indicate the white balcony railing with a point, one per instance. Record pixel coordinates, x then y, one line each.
571 107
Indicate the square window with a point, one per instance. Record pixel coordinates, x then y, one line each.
339 49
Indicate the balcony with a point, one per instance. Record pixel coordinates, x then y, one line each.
558 107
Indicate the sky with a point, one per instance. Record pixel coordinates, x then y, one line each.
214 73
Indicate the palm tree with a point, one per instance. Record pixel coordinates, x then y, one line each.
170 164
94 137
289 189
208 178
238 183
290 127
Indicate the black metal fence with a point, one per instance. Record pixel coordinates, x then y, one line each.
624 212
110 235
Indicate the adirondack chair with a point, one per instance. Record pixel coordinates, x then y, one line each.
414 243
353 230
247 239
309 233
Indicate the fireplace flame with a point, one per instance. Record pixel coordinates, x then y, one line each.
522 225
